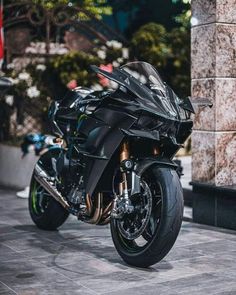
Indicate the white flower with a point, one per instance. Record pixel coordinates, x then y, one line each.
62 51
101 54
30 50
14 81
125 53
24 76
10 66
33 92
41 67
115 64
97 87
9 99
120 60
115 44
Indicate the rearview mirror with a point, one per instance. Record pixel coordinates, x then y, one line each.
191 103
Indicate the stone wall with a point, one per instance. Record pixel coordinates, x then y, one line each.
213 56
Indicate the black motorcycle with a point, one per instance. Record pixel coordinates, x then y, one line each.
112 162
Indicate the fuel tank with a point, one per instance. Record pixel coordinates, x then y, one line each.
64 113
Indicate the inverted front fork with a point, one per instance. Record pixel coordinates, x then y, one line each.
122 202
124 155
130 182
134 183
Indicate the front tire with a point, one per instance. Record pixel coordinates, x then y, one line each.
164 223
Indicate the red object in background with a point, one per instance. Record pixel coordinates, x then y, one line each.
72 84
1 35
103 80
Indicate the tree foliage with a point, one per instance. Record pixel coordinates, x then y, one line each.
96 7
169 52
74 66
150 44
160 31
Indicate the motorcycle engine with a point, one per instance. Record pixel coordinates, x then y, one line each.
76 197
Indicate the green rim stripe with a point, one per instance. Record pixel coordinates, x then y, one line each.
34 198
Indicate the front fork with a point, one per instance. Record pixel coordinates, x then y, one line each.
127 167
130 182
124 156
122 202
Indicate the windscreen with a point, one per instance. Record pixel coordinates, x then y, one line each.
143 80
148 76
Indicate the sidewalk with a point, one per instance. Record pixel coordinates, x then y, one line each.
81 259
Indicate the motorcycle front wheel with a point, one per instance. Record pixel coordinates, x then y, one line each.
145 237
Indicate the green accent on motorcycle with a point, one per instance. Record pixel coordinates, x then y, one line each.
81 117
80 120
34 191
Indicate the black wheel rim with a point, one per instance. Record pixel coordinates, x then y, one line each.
135 223
139 244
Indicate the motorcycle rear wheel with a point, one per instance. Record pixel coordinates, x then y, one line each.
45 212
164 223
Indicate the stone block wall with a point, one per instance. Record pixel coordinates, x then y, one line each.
213 57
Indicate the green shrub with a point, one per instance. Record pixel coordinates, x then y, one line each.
169 52
150 44
75 66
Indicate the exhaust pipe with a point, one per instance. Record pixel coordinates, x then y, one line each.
98 210
99 216
43 179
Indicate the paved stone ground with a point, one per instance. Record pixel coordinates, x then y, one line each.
80 259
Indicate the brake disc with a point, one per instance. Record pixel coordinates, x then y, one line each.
132 225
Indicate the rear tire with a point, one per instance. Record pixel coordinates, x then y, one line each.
46 213
44 210
158 244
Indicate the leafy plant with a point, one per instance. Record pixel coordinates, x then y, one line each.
169 52
74 66
150 44
96 7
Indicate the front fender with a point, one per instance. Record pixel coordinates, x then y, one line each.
142 165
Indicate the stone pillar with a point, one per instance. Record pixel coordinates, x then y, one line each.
213 56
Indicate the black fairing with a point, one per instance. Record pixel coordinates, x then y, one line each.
94 124
103 138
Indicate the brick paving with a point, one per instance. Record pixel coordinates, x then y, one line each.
81 259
